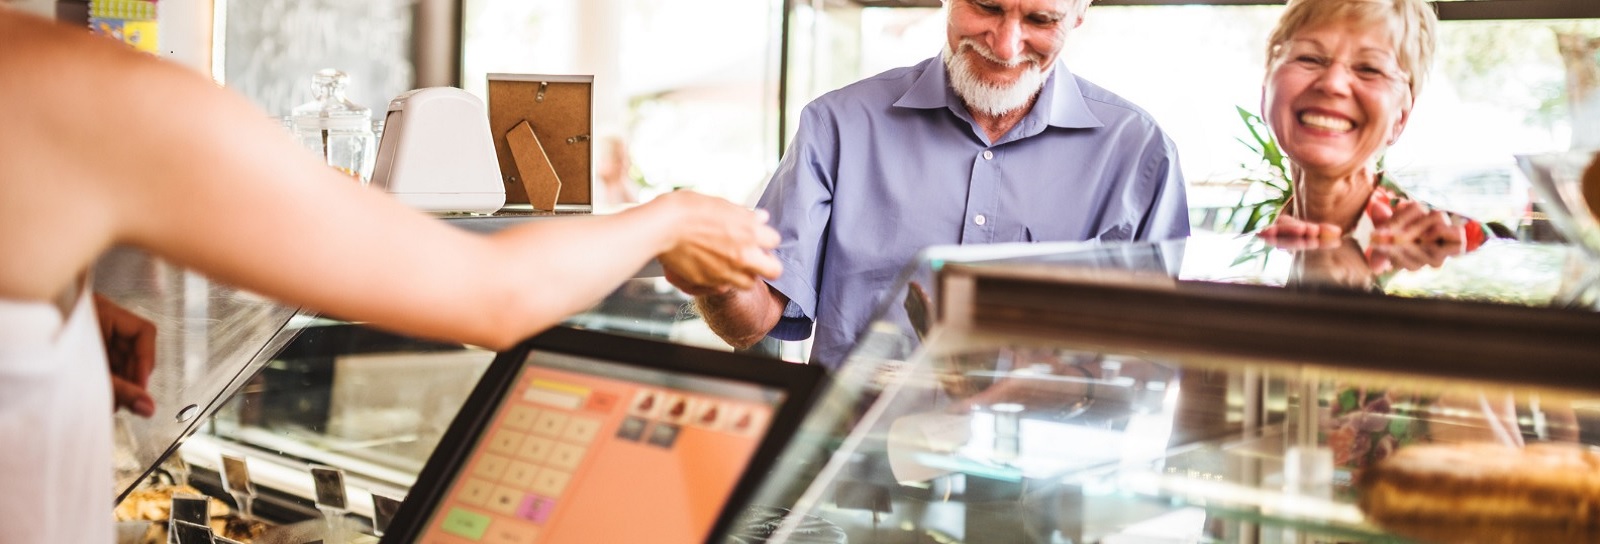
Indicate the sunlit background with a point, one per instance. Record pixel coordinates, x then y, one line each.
697 101
703 93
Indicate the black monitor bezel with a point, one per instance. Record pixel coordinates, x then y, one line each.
801 384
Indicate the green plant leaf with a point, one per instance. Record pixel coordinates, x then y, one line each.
1252 147
1269 172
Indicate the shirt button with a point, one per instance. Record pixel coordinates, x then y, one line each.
986 156
980 219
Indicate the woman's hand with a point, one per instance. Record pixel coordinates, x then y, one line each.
130 343
1286 228
1338 263
1384 257
1407 235
722 246
1405 221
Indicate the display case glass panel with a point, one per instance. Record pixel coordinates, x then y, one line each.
285 390
210 340
1215 389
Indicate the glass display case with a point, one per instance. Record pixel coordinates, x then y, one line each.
284 390
1214 389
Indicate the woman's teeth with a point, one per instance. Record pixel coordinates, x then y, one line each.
1326 122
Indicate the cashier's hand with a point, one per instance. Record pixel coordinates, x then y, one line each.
720 247
130 343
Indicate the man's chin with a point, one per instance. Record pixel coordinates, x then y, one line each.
1000 82
993 89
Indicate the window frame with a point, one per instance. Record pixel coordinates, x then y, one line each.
1458 10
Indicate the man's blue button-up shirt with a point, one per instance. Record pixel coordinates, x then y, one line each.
892 164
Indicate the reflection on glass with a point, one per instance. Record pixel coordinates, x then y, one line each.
1499 271
342 394
939 429
1568 185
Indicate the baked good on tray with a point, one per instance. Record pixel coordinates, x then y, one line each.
154 504
1542 487
233 527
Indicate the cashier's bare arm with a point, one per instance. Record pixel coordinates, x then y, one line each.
102 145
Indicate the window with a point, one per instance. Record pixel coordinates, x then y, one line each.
700 107
1498 87
693 107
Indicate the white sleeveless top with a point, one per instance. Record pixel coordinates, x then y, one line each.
55 425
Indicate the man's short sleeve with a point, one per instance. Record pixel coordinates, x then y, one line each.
1168 216
794 325
800 200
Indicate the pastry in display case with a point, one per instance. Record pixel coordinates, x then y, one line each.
150 508
1548 484
1214 389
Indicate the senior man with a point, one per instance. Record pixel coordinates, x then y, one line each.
994 140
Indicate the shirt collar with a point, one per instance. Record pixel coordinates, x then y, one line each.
1061 104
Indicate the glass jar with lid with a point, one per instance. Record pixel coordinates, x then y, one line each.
338 130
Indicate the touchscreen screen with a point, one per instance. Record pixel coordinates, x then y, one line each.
584 450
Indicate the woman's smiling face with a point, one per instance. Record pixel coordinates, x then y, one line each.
1335 96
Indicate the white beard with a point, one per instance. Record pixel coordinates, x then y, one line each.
988 98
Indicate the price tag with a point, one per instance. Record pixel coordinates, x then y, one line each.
236 475
383 510
184 532
330 486
190 509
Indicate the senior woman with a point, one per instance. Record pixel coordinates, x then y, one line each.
1342 76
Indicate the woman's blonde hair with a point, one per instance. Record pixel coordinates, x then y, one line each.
1412 24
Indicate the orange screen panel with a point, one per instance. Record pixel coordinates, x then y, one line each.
575 457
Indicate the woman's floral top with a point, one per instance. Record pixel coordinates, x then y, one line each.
1362 426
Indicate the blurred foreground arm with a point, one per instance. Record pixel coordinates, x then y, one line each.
105 145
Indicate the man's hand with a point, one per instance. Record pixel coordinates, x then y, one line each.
130 343
695 289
